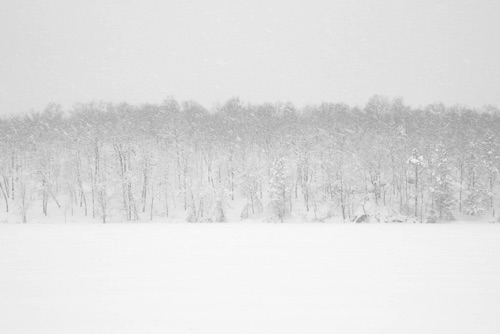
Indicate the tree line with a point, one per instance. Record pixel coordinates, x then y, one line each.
272 161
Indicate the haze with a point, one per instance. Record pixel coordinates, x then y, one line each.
209 51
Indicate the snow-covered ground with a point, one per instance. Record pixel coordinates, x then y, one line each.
249 278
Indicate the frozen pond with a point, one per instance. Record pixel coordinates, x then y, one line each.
249 278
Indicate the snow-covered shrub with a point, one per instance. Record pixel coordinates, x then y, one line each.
476 202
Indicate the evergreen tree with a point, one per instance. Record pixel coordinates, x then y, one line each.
279 191
442 183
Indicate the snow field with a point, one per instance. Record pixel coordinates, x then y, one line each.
249 278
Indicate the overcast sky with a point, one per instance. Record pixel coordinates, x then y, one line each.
299 51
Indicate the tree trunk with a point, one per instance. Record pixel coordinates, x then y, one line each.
5 197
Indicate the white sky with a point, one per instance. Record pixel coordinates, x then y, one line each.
301 51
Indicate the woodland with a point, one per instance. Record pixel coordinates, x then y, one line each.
275 162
